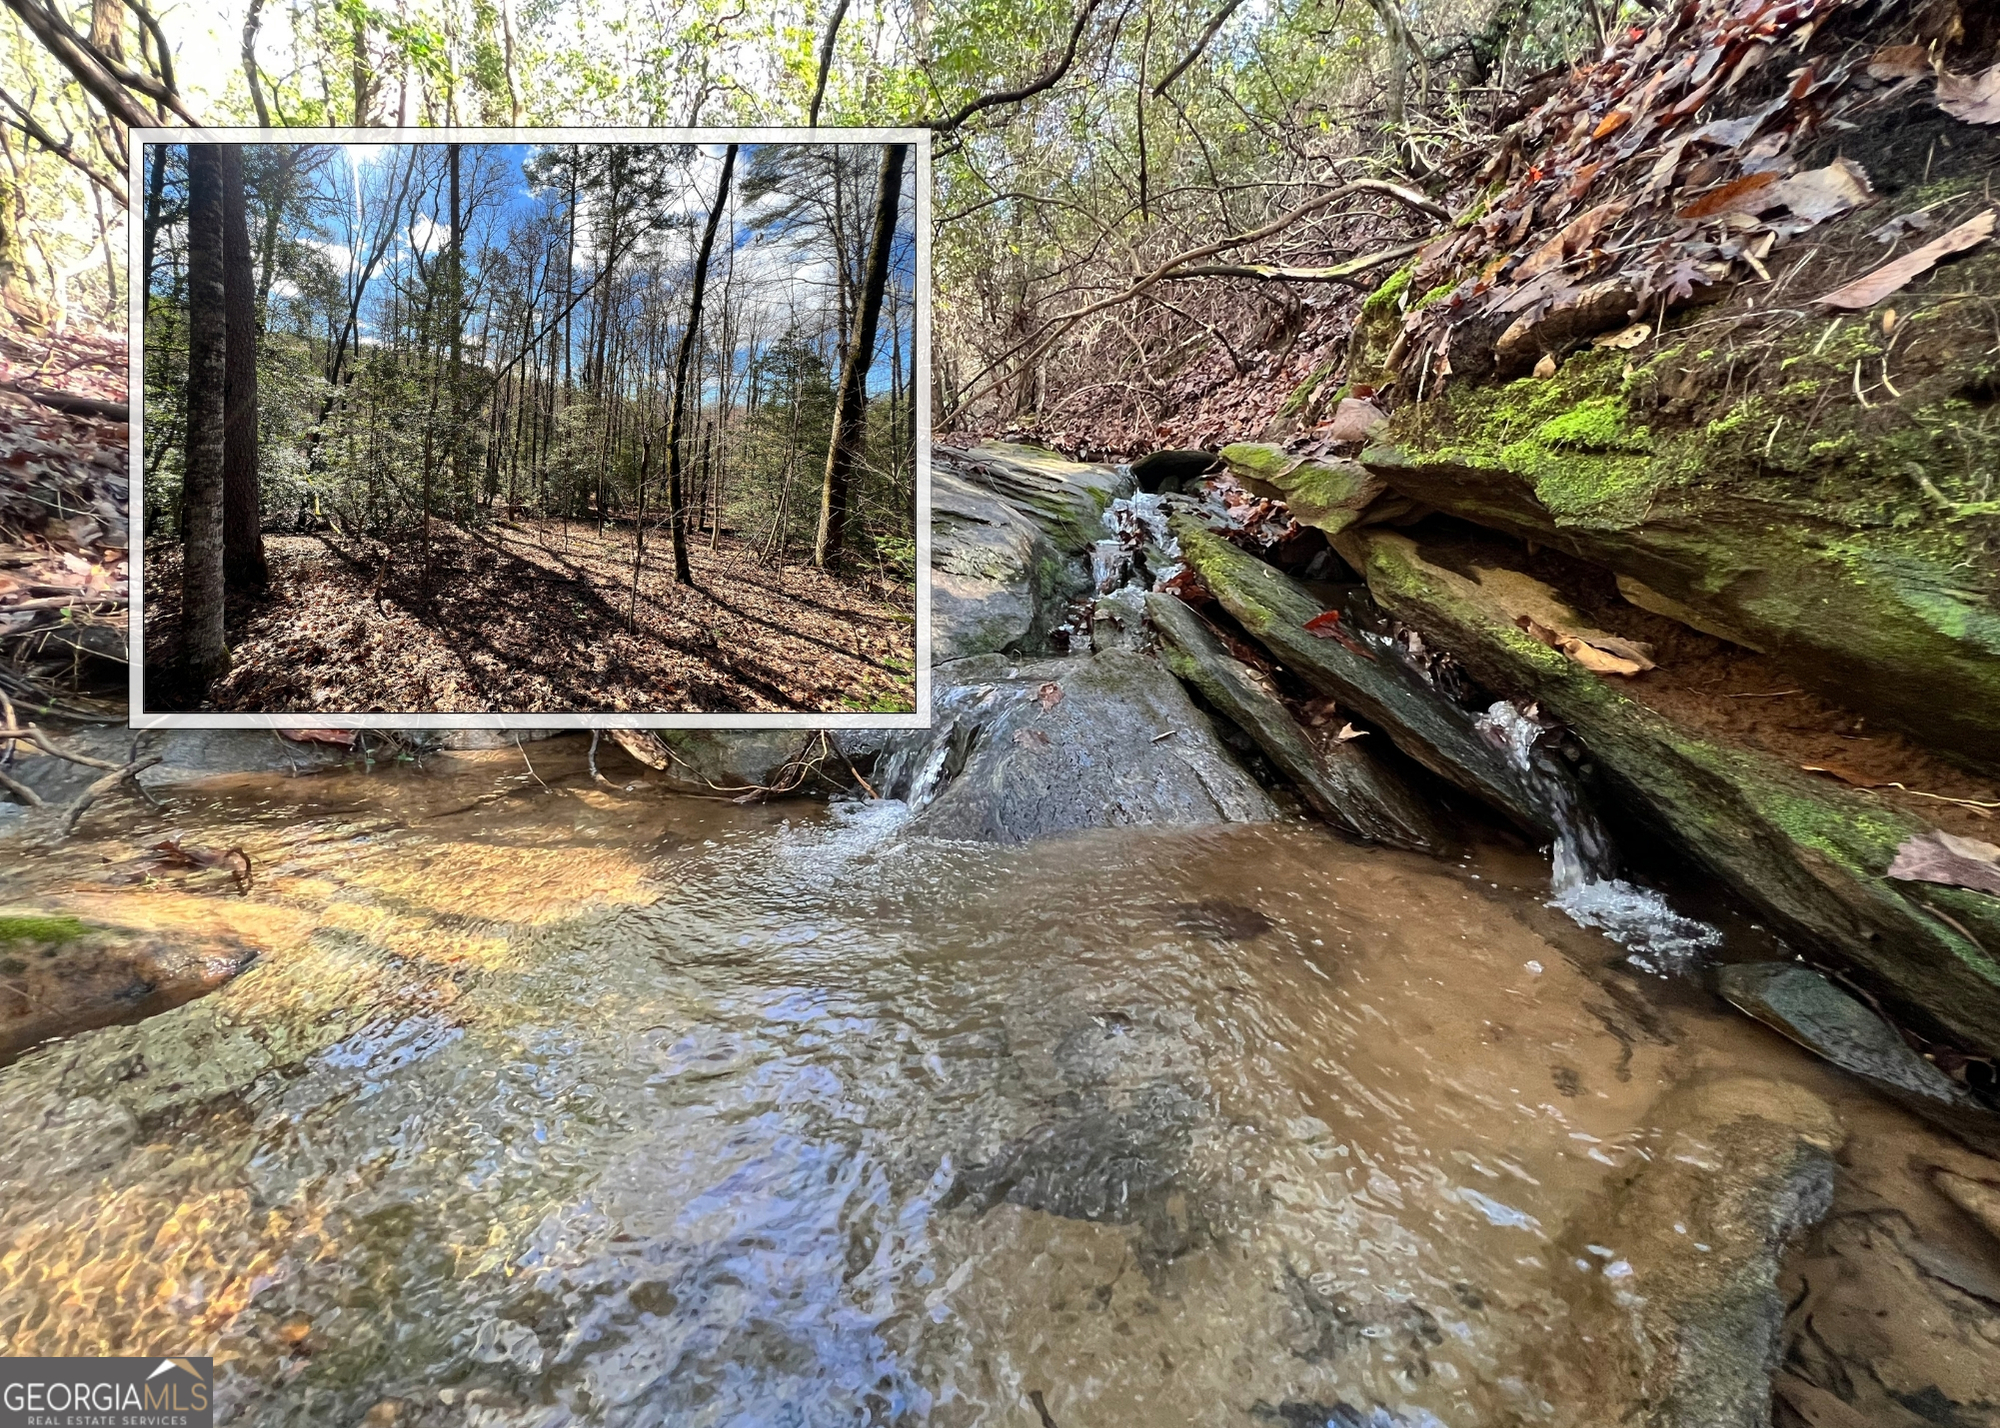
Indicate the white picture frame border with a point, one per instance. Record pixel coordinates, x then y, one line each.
142 718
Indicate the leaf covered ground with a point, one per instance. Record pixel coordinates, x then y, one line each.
534 618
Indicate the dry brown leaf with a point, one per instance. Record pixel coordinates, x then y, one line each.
1625 339
1849 776
1940 857
1898 62
1865 292
175 854
1611 123
1820 194
1972 98
1049 696
1739 194
1354 420
1348 731
1597 652
1546 368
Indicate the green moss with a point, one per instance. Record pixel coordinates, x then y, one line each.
39 927
1382 301
1598 424
1303 393
1436 294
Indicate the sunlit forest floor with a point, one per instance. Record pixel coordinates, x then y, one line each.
533 618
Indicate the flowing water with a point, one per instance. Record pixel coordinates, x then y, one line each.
552 1105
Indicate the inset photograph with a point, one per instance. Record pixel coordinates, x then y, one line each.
610 426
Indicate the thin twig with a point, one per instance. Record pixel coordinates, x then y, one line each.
98 790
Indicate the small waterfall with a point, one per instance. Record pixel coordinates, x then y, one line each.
1581 879
918 763
1140 546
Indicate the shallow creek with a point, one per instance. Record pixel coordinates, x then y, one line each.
560 1104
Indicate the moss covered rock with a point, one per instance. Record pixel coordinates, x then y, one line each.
1812 856
1857 544
1324 491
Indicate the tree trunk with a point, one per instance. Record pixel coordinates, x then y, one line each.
851 409
676 516
243 567
456 290
206 651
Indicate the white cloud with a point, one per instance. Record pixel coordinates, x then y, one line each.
427 235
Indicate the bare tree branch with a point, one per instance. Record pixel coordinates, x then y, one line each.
1051 331
76 55
826 60
63 149
1221 17
1348 272
251 21
1048 79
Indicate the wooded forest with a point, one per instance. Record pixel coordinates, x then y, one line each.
462 427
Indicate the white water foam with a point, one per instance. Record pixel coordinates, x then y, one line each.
1655 937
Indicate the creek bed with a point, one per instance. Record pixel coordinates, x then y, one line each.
547 1103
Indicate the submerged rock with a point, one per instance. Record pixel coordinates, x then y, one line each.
62 975
1819 1016
1107 1164
1686 1257
1018 751
1344 782
1811 855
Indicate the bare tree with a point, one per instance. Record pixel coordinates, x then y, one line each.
677 417
243 565
851 411
201 577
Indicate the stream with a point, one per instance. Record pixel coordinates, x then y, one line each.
546 1103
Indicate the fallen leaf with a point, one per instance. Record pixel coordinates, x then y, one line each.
1348 731
1848 776
1049 696
1354 420
1865 292
1975 99
1819 194
1597 652
1738 194
1611 123
1327 627
1898 62
344 738
1940 857
1546 368
1031 738
1625 339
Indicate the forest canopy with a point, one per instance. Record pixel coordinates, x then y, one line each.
632 355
